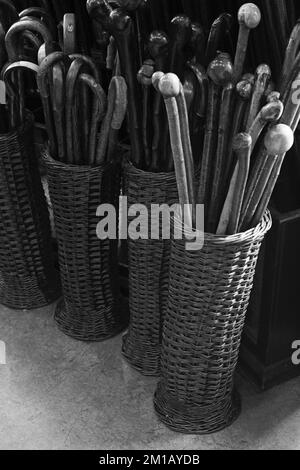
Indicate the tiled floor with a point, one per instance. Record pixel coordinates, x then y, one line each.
57 393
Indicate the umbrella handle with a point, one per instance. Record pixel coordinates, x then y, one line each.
11 87
41 14
10 13
35 26
69 33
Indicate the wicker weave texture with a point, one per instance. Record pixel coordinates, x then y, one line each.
208 299
28 279
148 273
91 309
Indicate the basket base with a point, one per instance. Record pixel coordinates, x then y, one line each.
144 359
81 331
196 420
28 298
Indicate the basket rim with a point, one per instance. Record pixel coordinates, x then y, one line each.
132 169
71 167
259 231
23 128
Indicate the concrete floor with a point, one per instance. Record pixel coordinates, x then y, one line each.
56 393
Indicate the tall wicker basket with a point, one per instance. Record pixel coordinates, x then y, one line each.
148 273
208 300
91 309
28 279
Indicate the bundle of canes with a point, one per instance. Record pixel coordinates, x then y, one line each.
237 202
120 26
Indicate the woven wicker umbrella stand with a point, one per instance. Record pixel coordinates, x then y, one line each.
28 279
148 273
208 300
91 309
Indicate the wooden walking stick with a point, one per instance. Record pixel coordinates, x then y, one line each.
262 78
292 107
158 46
58 99
279 138
220 73
116 99
189 88
200 103
44 88
186 141
84 96
244 92
144 77
216 201
290 56
269 113
197 44
117 117
98 112
220 27
242 146
170 89
228 205
278 141
249 17
180 35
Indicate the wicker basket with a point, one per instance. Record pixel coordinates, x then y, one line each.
148 273
208 300
28 279
91 309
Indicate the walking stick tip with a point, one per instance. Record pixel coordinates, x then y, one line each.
273 97
156 77
263 69
130 5
220 70
249 77
279 139
241 141
249 14
145 73
272 111
158 44
169 85
244 89
181 29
